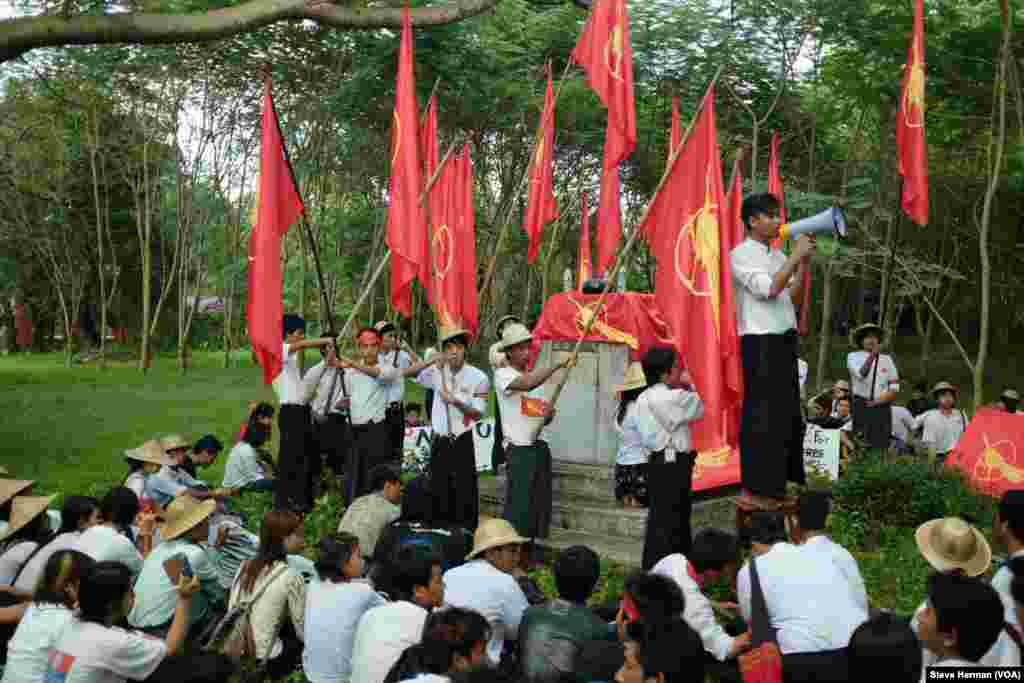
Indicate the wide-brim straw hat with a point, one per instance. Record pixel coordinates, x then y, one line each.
449 333
516 333
384 326
151 451
494 533
634 378
9 488
1011 394
951 543
183 514
173 441
857 336
504 319
944 386
23 511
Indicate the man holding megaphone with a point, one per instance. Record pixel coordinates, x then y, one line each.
768 284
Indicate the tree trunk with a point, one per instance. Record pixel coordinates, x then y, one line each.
101 359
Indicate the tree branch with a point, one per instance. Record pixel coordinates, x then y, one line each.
20 35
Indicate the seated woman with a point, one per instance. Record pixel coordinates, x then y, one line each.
45 617
78 514
144 462
91 648
454 639
113 538
27 532
262 413
246 468
278 612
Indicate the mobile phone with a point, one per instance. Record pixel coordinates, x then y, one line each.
177 567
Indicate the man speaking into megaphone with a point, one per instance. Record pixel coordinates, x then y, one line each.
768 284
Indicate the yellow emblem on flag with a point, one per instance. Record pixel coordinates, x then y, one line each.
718 457
533 407
396 135
613 49
993 466
913 95
584 312
442 251
701 231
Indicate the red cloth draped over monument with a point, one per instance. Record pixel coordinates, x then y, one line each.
991 452
911 147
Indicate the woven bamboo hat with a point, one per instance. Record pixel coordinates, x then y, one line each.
857 336
151 451
9 488
494 533
502 321
1010 394
951 543
944 386
634 378
384 326
174 441
183 514
515 333
23 511
449 333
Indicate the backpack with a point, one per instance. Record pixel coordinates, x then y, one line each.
233 635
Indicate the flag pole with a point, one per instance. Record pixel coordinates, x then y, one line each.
387 254
620 259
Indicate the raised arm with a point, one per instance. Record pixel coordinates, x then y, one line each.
529 381
310 344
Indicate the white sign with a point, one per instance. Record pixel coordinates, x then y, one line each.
416 449
821 451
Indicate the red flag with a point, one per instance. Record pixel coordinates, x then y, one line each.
911 148
444 241
23 332
736 233
541 207
278 205
693 237
583 265
676 132
609 219
604 52
775 184
428 155
466 243
735 203
407 233
991 452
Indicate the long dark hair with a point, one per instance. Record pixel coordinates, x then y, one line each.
627 397
74 510
63 567
103 586
446 633
277 526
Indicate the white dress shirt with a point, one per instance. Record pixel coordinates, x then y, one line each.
902 424
1004 652
480 586
631 446
753 267
844 562
663 416
469 385
516 425
941 431
288 384
398 360
698 613
368 395
382 636
799 586
886 377
323 389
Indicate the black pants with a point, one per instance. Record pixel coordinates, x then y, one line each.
668 518
498 452
453 481
831 666
874 422
371 446
294 488
395 419
334 439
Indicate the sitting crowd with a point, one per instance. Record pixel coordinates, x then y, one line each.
161 580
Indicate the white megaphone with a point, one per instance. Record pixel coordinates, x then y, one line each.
830 220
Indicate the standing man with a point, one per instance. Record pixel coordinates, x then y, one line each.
768 284
875 383
367 390
942 427
528 499
294 486
331 426
498 360
460 400
398 356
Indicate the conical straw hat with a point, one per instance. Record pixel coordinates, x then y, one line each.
9 488
23 511
151 451
182 514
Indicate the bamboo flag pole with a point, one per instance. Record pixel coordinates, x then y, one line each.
387 254
620 259
503 233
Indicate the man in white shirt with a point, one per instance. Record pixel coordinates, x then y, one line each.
810 533
498 360
366 398
875 383
663 414
331 426
813 620
768 285
294 484
487 583
961 621
714 554
385 632
524 412
902 428
942 427
460 400
398 355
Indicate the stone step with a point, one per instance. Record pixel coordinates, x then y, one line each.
627 552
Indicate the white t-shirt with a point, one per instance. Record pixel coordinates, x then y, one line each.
29 649
517 426
33 570
288 384
13 558
939 430
243 467
478 585
103 543
886 377
383 635
333 611
469 385
902 424
631 447
399 360
91 653
753 267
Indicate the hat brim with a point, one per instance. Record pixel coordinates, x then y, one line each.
516 342
384 329
40 508
977 565
497 543
950 388
138 455
857 336
630 385
455 334
200 512
16 487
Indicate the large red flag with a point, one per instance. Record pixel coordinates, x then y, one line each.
541 207
278 205
428 155
466 243
604 52
735 203
990 453
736 232
911 148
609 218
775 186
583 265
407 229
444 240
693 236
